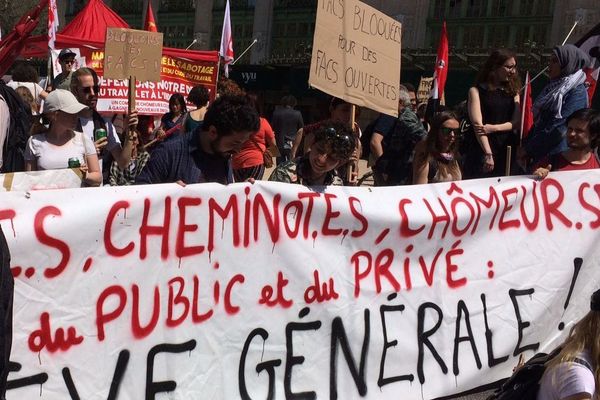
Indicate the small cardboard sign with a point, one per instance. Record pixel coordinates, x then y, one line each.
356 55
130 52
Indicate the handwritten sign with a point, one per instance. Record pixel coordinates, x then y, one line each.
130 52
271 290
356 55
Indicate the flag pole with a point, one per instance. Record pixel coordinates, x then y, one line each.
563 43
523 106
245 51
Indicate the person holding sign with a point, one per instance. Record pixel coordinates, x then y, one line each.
62 146
85 85
436 157
204 155
332 145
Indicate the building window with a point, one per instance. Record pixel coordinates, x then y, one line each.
501 8
472 36
476 8
439 8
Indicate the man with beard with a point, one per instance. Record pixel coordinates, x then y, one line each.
583 133
85 85
204 155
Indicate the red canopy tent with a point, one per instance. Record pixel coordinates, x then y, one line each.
88 29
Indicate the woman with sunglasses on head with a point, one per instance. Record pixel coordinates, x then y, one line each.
62 146
332 146
340 111
493 105
436 157
564 94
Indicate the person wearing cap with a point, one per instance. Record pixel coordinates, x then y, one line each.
66 59
61 143
573 373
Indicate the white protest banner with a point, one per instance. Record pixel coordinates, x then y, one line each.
356 55
272 290
40 180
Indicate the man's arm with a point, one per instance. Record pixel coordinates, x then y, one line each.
376 145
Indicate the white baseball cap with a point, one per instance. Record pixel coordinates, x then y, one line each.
62 100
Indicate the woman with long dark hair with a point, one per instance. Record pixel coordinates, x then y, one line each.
436 157
175 116
493 106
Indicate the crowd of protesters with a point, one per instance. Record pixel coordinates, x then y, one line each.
230 140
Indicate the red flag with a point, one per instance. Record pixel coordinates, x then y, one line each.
526 109
441 66
52 23
13 43
590 43
150 24
227 41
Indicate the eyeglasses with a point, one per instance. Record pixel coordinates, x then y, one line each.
88 90
71 61
447 131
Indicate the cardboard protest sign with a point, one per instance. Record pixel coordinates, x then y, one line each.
178 75
271 290
130 52
356 55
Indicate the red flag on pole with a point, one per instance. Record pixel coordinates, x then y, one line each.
52 23
526 109
441 66
150 24
226 50
590 43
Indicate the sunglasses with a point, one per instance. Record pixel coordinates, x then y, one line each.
447 131
88 90
332 133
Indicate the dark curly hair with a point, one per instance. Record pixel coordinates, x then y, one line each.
337 136
231 113
23 72
199 96
592 117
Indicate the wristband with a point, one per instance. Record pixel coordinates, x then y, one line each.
489 155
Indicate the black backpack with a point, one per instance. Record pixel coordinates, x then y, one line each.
524 383
13 157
